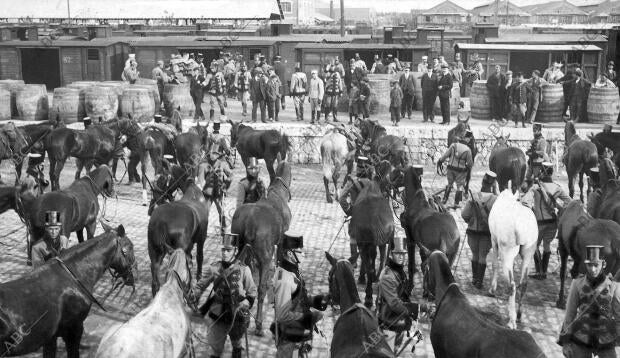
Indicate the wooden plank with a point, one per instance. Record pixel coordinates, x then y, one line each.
71 65
10 67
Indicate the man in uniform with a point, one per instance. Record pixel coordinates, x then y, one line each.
161 77
444 91
233 295
258 94
216 90
396 311
299 83
333 90
429 94
295 311
220 144
52 243
280 71
217 174
537 154
251 188
459 161
579 98
242 86
591 324
407 85
542 199
196 88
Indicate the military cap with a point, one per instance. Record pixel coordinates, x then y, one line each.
252 162
52 218
200 55
168 157
547 164
418 168
593 254
157 118
87 121
536 125
362 160
230 240
399 245
292 241
216 125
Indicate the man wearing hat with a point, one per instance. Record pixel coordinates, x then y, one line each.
274 86
228 306
444 91
554 73
611 72
579 98
396 311
131 57
407 85
230 70
422 66
280 70
216 90
298 89
495 85
396 101
161 77
476 214
591 325
377 67
130 73
537 153
364 99
429 93
543 198
52 243
316 91
242 87
296 312
258 94
459 162
251 188
333 90
87 122
534 95
196 91
201 64
359 63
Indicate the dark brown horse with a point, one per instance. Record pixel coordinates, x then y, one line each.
178 225
188 148
51 302
457 132
262 225
17 143
460 331
356 329
15 197
422 223
576 230
508 163
261 144
166 185
579 157
609 207
609 140
382 145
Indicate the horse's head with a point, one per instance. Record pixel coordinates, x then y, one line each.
283 174
596 139
167 183
501 141
234 132
437 272
569 129
103 179
180 268
340 277
124 262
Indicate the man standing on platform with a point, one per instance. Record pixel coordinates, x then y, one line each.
460 67
408 87
506 112
349 76
553 74
396 102
495 85
517 95
196 87
423 65
242 86
364 100
298 89
216 90
273 95
333 90
359 63
579 99
444 87
535 96
161 77
258 94
316 93
568 84
429 94
280 70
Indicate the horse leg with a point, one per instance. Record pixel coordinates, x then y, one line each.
200 255
411 258
72 339
507 270
79 165
493 288
263 280
50 347
365 252
561 303
80 235
145 197
382 252
571 184
328 195
90 230
18 169
581 186
132 168
272 172
335 178
526 256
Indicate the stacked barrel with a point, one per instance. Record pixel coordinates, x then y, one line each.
479 101
12 86
32 103
603 105
176 96
552 105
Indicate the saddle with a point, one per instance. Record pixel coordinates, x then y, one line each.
292 332
165 129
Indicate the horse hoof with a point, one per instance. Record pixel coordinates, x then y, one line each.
258 332
368 304
329 200
519 316
561 304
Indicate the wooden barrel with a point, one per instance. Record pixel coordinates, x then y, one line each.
5 104
137 103
101 103
479 101
32 103
177 95
152 85
118 87
379 93
82 86
552 105
66 105
603 105
154 95
417 82
13 86
454 101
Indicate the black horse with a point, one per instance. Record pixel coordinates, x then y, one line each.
166 185
17 143
356 329
179 224
423 224
576 230
18 196
188 148
261 225
508 163
579 157
49 302
609 140
609 207
381 145
261 144
460 131
460 331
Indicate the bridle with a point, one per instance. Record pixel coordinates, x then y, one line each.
288 190
186 290
98 189
116 274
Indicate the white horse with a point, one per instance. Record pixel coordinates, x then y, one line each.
162 329
513 231
334 153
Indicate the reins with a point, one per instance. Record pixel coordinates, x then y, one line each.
79 283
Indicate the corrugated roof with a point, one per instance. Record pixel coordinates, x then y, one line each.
143 9
361 46
60 43
561 7
547 38
467 46
446 8
167 40
489 9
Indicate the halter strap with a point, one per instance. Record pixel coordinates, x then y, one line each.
79 283
288 190
444 295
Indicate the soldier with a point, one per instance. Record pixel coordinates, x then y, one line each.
364 99
517 94
216 90
476 214
251 188
579 98
459 161
274 86
242 86
444 91
333 90
537 154
591 323
396 311
196 88
534 95
228 308
280 70
52 243
219 143
315 96
295 310
258 94
217 175
495 83
429 94
542 199
299 84
161 77
396 102
407 85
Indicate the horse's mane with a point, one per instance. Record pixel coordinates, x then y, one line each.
82 247
439 260
346 273
608 139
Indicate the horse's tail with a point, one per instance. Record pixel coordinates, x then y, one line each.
285 145
327 160
518 174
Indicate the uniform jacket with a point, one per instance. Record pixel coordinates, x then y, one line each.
495 83
240 284
396 97
364 92
292 302
476 212
223 174
445 81
592 314
459 157
333 85
250 191
517 93
195 86
317 89
540 150
392 295
406 83
160 76
299 83
545 211
258 88
242 80
429 83
273 88
43 250
216 84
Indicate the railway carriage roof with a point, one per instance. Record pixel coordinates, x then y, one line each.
516 47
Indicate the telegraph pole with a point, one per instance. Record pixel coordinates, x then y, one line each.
68 11
341 18
331 8
497 12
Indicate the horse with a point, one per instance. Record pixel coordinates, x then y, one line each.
579 157
509 163
54 300
609 140
166 184
178 225
17 143
162 329
460 330
382 145
576 230
372 226
457 132
513 231
334 152
188 148
609 207
262 225
15 197
436 230
261 144
357 326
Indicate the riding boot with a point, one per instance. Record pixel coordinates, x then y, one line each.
237 353
211 114
481 269
446 195
545 264
457 198
474 273
354 255
537 264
